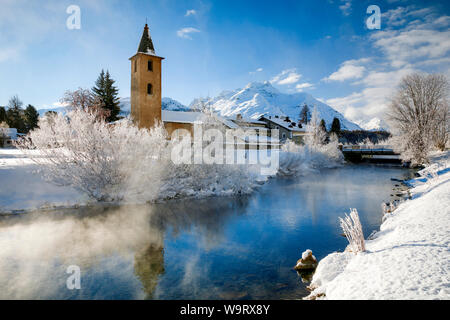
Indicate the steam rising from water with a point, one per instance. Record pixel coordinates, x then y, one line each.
36 249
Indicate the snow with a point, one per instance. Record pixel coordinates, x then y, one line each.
258 99
306 254
374 124
166 104
192 117
182 117
21 189
408 258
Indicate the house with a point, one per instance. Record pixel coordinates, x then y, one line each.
288 129
7 136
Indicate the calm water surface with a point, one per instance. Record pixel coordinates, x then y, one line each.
218 248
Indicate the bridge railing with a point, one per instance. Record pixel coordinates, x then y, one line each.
359 148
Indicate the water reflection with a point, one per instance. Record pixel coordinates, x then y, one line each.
217 248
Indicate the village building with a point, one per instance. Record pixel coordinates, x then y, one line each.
7 137
288 129
146 70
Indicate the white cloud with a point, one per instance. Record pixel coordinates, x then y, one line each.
289 76
186 32
256 71
346 7
191 12
407 46
412 39
351 69
373 99
301 86
8 53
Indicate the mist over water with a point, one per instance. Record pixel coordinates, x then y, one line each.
215 248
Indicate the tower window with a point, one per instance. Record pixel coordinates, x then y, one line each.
149 88
150 65
135 66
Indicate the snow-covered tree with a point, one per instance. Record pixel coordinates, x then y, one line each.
419 111
317 135
84 99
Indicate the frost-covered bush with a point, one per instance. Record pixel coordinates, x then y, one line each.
104 161
299 159
351 226
119 162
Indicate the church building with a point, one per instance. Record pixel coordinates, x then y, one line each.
146 67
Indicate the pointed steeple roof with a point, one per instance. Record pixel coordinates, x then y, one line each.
146 45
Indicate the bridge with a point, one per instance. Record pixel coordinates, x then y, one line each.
364 153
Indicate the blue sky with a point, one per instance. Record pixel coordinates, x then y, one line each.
322 47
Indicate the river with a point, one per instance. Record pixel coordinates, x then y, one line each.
216 248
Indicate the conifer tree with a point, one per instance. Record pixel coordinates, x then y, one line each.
305 115
336 126
14 114
31 118
2 114
107 92
323 125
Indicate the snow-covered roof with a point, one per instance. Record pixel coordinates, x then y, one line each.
283 123
248 120
193 117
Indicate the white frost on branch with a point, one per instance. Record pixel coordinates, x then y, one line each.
351 226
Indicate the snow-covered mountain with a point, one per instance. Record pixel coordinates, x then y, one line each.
42 112
125 107
166 104
374 124
258 99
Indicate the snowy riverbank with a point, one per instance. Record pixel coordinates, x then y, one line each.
21 189
408 258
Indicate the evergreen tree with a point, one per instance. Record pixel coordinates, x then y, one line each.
31 118
336 126
105 90
15 115
323 125
2 114
50 113
305 115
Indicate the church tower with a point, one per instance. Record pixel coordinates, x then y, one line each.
146 83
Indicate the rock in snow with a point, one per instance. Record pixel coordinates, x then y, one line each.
307 262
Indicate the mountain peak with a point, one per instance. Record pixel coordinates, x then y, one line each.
261 86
